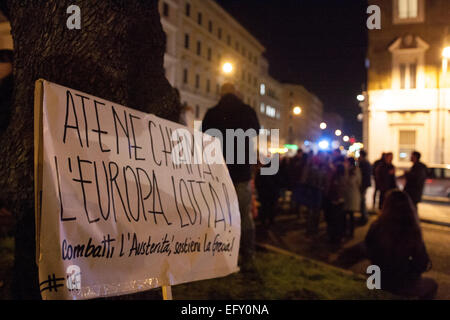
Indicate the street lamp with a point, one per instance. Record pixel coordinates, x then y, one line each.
227 68
297 111
338 133
323 126
361 97
346 138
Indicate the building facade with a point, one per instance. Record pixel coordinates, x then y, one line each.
298 128
201 38
408 89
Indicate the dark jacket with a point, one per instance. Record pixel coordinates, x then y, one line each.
385 179
232 113
366 174
415 181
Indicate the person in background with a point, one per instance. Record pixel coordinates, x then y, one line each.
232 113
334 214
315 185
366 175
352 195
415 179
385 174
268 190
297 167
395 244
375 178
6 88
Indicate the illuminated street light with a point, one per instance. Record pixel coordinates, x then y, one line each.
346 138
323 126
227 68
338 133
297 111
361 98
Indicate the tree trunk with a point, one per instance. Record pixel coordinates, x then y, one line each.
117 55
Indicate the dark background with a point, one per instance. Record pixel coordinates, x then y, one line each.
320 44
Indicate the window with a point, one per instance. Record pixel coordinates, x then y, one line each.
197 81
271 111
185 76
188 9
209 54
409 11
219 33
407 144
199 48
408 76
262 89
210 26
200 18
186 41
237 46
165 9
262 108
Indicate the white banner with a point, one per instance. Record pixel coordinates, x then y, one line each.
120 214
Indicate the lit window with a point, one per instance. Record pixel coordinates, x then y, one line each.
408 9
263 108
262 89
271 112
407 144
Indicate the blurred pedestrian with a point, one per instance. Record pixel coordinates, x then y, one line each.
352 195
299 189
314 181
376 192
232 113
268 190
395 244
415 178
385 174
366 175
334 215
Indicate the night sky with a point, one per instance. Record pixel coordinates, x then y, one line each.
320 44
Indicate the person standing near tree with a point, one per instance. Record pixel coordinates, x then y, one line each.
415 178
232 113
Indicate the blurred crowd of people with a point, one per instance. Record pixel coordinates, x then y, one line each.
325 182
336 185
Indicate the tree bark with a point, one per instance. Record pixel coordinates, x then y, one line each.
117 55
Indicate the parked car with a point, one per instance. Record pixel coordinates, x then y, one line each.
437 183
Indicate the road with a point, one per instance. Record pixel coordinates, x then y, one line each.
288 233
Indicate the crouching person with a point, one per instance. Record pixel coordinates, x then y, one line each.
395 244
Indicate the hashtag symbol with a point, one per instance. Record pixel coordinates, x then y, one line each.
51 284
